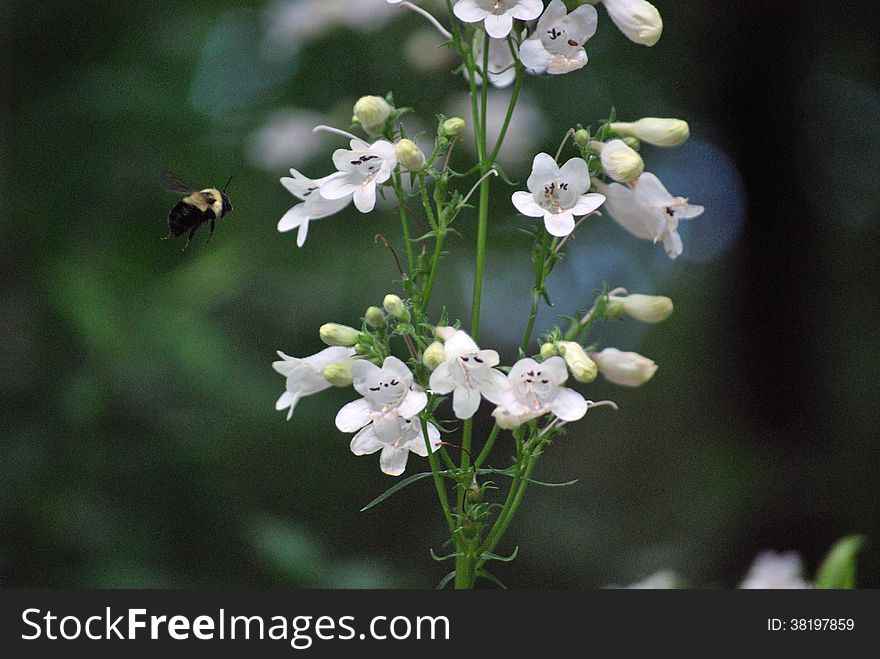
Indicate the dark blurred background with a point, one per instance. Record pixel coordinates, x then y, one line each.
139 442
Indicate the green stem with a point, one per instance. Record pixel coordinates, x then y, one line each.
439 226
517 86
404 222
537 291
490 441
438 480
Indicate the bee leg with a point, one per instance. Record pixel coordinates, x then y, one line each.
190 237
211 232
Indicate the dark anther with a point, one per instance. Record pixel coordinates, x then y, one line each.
478 360
572 43
375 388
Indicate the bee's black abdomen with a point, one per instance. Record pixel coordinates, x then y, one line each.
184 217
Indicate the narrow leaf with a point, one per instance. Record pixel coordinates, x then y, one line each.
838 570
445 580
440 559
489 556
396 488
491 577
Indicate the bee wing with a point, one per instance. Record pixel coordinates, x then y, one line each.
174 184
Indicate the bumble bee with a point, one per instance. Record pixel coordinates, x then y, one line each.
198 207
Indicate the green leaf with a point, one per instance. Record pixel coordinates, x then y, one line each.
838 570
396 488
491 577
489 556
512 474
440 559
445 580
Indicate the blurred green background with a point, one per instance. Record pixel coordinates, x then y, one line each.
139 442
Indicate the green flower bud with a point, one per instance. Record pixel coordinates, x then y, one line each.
452 127
395 306
338 373
375 317
646 308
582 137
659 132
334 334
410 155
362 349
632 143
582 367
549 350
434 355
372 112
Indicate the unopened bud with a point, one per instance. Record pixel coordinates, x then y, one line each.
582 367
659 132
639 21
444 332
632 143
621 162
434 355
395 306
334 334
452 127
582 137
375 317
646 308
628 369
372 112
338 373
549 350
410 155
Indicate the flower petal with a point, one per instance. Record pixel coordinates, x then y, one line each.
338 188
458 344
555 369
499 26
465 402
392 460
293 218
469 11
576 173
354 416
394 366
528 10
365 374
441 381
649 190
413 403
587 203
673 245
302 233
544 171
525 203
534 56
569 405
366 441
494 385
365 196
559 224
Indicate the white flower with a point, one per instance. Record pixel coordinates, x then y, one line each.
621 162
363 168
647 210
646 308
557 194
639 21
304 376
498 15
396 445
388 397
502 65
468 372
534 390
314 205
628 369
659 132
775 571
557 44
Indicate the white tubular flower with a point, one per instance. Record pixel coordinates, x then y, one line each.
502 69
648 211
557 44
646 308
498 15
639 21
557 194
534 390
396 444
621 162
313 207
627 369
388 397
305 376
361 170
659 132
775 571
468 373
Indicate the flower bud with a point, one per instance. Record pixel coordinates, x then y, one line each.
549 350
410 155
582 367
646 308
375 317
639 21
452 127
339 373
582 137
659 132
334 334
372 112
434 355
628 369
632 143
395 306
444 333
620 162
